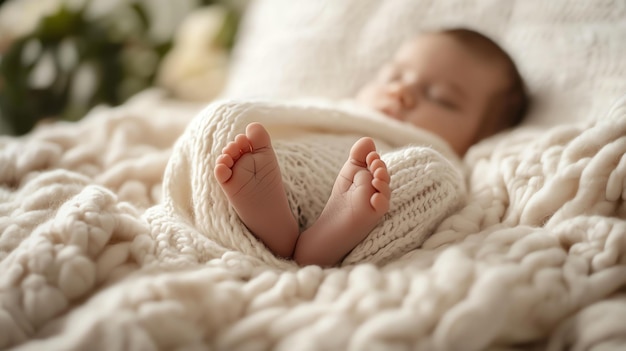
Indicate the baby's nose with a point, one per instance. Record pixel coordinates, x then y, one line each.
403 92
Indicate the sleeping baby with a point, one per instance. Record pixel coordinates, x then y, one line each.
457 84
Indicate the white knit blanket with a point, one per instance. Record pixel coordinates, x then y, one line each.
94 256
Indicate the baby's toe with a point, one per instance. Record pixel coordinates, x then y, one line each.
232 149
226 160
382 187
361 149
258 136
371 157
379 203
379 170
222 172
243 143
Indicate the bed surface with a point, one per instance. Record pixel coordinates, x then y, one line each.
103 243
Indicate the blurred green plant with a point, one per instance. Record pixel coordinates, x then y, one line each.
71 63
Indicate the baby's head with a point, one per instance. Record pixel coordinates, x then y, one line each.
455 83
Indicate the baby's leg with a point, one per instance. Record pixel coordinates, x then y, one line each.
249 175
359 199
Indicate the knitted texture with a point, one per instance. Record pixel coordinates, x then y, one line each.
426 187
95 255
537 248
425 190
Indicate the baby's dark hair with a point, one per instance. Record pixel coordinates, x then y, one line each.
508 107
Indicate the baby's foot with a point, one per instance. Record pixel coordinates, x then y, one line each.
249 175
359 199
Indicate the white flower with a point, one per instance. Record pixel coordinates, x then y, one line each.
196 67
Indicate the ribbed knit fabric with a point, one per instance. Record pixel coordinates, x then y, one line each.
96 255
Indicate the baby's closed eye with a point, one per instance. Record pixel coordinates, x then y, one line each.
441 95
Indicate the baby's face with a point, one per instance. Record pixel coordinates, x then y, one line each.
435 83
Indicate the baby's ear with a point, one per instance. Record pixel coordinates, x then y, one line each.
505 110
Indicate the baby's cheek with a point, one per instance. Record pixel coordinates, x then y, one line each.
367 95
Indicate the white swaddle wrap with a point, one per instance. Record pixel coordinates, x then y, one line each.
312 140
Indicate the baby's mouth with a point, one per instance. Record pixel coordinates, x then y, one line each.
391 109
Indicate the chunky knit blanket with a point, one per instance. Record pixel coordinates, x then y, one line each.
94 255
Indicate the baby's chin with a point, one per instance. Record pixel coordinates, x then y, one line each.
385 106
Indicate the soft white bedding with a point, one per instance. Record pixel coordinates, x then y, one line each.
535 243
104 245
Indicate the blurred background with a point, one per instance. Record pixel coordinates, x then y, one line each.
60 58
